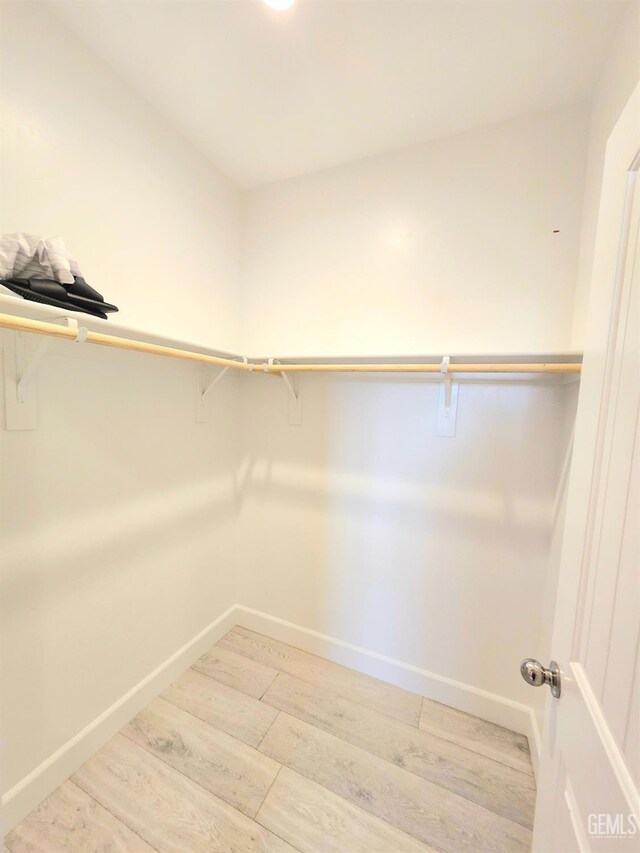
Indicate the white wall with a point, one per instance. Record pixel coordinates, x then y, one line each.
361 524
152 223
118 512
619 77
444 247
543 650
117 519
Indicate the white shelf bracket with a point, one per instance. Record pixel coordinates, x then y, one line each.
447 401
204 388
26 375
20 373
30 371
206 391
295 395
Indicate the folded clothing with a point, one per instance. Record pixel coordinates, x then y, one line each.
41 269
30 256
78 296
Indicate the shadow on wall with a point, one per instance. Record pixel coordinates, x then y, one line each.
140 523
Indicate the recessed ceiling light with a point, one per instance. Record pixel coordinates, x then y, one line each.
280 5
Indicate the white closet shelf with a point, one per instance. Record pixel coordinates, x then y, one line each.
31 317
23 308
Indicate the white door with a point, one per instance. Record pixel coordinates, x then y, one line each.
589 781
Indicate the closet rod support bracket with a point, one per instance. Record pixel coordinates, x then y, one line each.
205 388
21 371
27 370
447 401
295 395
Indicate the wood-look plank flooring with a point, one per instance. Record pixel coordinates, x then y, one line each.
264 747
502 789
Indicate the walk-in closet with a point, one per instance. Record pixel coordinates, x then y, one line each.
319 479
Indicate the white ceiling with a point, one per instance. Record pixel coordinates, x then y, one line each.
267 95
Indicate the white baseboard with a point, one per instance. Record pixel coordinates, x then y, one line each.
30 791
497 709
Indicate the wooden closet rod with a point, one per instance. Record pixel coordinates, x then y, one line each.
39 327
23 324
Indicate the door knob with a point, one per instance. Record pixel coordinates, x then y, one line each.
536 675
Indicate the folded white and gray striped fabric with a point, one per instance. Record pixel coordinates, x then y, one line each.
31 256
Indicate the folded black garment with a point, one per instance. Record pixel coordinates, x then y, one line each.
81 288
78 296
